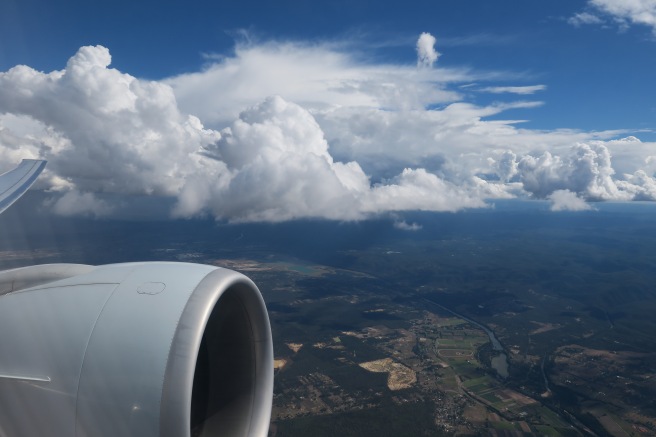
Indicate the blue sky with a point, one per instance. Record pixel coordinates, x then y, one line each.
526 99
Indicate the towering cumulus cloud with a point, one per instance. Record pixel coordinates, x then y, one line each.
273 164
426 53
101 130
342 139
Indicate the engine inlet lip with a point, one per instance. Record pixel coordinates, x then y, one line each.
175 408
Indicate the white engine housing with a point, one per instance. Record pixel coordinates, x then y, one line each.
141 349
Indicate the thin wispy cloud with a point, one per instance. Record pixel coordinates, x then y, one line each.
522 90
478 39
316 76
582 18
621 12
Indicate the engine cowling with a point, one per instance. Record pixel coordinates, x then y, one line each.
139 349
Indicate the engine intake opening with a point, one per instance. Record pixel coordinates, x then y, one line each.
225 374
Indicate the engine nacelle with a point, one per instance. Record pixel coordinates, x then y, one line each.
141 349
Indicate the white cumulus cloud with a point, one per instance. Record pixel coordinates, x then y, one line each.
640 185
405 226
426 53
100 129
277 166
585 170
565 200
504 164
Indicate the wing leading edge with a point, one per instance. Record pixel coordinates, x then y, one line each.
15 183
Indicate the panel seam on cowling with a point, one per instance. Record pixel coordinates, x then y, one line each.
37 288
86 347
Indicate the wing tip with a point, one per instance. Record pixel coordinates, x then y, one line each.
15 182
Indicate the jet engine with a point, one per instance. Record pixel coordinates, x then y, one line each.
139 349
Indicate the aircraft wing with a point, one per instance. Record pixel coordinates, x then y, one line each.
15 183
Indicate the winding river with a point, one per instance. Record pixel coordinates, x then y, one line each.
500 361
